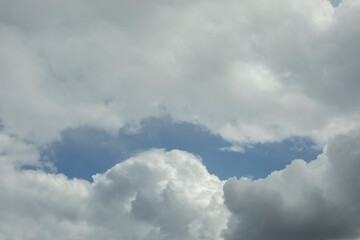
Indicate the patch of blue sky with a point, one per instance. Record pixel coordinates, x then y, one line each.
85 151
335 3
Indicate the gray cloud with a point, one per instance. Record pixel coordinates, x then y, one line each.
242 71
316 200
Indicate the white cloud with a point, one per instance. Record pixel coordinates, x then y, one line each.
14 152
155 195
233 148
245 72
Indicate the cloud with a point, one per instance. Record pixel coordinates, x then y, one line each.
14 152
248 71
316 200
155 195
242 71
170 195
233 148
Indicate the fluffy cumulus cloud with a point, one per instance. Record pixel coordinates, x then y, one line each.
241 70
155 195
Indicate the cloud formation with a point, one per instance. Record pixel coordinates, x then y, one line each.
249 71
155 195
170 195
242 71
316 200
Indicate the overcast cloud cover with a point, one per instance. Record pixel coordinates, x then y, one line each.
247 71
250 71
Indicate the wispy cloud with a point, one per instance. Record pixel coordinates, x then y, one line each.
233 148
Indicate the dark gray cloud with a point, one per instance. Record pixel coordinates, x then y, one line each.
316 200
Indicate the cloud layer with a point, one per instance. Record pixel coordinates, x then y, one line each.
242 71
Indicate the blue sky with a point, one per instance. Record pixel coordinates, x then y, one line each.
83 152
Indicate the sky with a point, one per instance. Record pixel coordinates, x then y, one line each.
183 120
